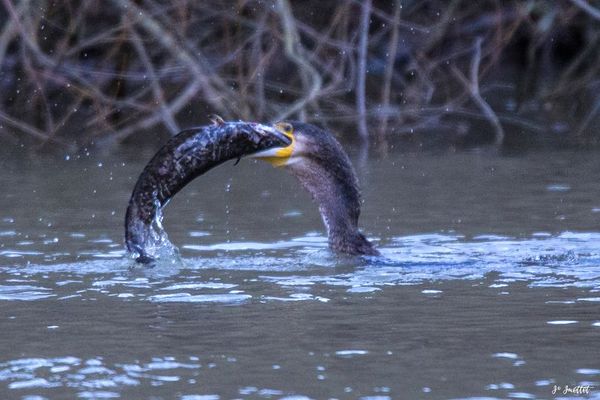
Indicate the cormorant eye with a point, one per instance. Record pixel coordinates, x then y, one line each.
286 128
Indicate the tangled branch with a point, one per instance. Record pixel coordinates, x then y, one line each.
80 72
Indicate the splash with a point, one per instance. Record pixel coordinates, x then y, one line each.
158 248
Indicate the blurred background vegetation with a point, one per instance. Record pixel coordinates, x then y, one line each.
459 73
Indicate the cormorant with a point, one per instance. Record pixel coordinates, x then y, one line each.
322 166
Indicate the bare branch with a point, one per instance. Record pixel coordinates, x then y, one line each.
361 108
588 8
9 31
24 127
295 52
389 67
472 86
166 115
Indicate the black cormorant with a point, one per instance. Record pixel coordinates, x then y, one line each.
318 160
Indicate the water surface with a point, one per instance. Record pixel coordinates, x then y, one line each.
489 286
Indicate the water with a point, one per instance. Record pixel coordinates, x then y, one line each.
490 286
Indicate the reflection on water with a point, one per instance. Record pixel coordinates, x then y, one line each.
488 287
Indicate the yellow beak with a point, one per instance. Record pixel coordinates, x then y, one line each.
278 156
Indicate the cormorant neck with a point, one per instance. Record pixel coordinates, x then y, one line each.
335 190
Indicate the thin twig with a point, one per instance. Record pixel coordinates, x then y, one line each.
361 107
166 115
295 52
387 18
10 30
472 86
389 67
36 133
589 118
588 8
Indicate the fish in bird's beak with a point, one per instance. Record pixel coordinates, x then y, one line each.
186 156
279 156
285 139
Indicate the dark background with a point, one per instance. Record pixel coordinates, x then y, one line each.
450 74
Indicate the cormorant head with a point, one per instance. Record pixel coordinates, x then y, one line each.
308 144
316 158
280 156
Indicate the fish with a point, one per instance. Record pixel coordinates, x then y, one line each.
186 156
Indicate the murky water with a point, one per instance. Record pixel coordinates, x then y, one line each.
490 286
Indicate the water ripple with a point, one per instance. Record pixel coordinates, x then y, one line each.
567 260
24 292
